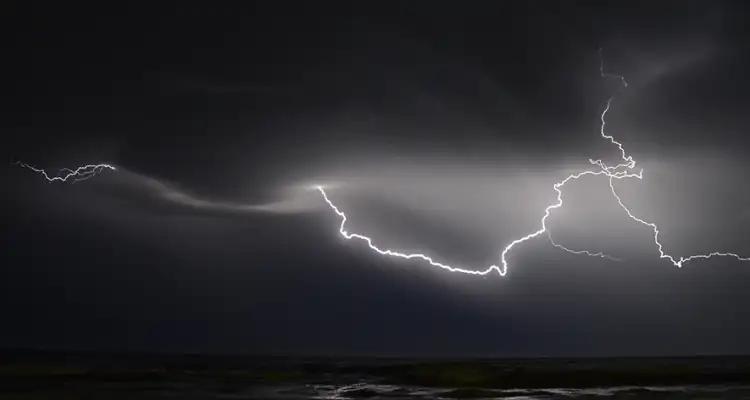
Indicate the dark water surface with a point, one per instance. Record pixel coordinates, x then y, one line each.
37 375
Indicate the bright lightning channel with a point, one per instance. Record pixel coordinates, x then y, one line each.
501 269
629 164
620 171
81 173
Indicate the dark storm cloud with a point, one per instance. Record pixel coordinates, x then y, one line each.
188 86
437 127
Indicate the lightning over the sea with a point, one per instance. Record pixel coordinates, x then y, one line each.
624 169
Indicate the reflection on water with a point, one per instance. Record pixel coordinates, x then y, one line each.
73 376
393 392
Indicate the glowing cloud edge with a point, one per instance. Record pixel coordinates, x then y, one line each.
622 170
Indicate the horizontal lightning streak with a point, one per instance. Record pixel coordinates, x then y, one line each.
581 252
65 174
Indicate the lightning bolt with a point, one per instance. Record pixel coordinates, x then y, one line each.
623 170
501 269
581 252
394 253
81 173
629 164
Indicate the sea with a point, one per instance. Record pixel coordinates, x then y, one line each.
75 375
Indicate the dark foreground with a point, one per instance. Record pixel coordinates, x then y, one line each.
35 375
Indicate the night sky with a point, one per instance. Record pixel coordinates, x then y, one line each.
438 127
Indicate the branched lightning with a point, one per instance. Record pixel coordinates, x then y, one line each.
629 165
624 169
66 174
500 269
